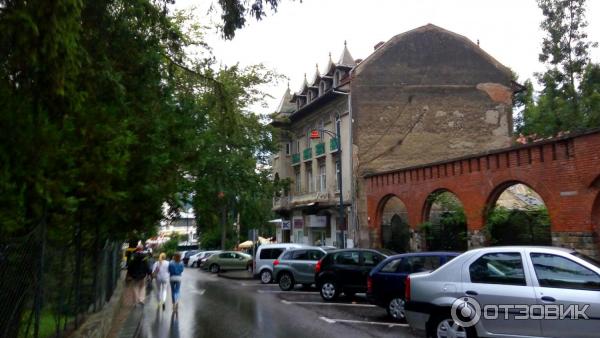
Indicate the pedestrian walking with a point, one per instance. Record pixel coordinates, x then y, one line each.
175 271
137 272
160 271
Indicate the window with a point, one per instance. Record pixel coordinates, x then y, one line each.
371 258
558 272
336 78
498 268
300 255
322 177
287 255
322 87
298 181
419 264
315 255
338 124
309 180
270 253
227 255
347 258
391 266
288 148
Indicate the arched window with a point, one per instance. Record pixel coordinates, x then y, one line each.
322 88
336 78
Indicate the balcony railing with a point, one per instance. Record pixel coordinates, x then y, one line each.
307 154
317 196
320 149
333 145
295 158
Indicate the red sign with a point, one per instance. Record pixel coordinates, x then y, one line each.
314 134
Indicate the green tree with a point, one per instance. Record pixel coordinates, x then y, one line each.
564 104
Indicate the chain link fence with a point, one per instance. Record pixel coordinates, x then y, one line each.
49 285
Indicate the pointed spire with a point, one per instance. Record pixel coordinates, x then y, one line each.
286 105
346 58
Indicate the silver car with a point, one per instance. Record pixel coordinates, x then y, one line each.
508 292
297 266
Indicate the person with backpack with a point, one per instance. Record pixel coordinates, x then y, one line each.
175 271
137 272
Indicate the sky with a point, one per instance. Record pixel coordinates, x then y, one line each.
302 34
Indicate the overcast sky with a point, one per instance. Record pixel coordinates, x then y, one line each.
300 35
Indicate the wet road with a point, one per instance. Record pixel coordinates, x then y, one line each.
214 307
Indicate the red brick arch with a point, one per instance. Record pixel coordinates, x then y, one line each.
565 172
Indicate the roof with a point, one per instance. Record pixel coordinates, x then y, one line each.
346 58
430 27
285 105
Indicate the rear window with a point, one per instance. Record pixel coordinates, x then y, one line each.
347 258
300 255
270 253
287 255
391 266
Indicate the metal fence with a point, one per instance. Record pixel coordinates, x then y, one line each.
49 284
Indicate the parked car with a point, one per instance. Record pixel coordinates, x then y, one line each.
346 271
515 275
229 260
186 256
194 259
297 266
207 254
385 285
265 255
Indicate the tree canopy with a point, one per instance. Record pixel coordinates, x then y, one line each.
569 96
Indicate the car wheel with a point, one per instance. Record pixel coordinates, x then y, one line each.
286 281
395 308
446 327
214 268
329 291
266 276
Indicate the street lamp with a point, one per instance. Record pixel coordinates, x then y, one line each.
314 134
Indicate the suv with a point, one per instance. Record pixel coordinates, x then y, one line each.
346 271
297 266
265 255
385 286
445 302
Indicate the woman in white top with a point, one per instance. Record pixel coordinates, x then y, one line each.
160 271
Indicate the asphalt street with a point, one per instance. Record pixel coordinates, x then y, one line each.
213 306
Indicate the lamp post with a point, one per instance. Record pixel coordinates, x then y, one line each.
337 135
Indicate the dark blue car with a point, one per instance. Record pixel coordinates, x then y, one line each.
385 285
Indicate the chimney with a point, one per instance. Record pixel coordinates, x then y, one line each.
379 44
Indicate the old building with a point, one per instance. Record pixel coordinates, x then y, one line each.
311 207
425 95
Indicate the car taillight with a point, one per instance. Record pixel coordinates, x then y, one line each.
407 289
276 262
318 267
369 285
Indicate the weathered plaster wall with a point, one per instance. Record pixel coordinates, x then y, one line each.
426 95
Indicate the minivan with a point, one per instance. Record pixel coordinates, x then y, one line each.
265 255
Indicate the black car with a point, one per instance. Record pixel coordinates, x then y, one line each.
346 271
385 286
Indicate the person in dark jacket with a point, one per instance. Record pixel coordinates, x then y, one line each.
137 272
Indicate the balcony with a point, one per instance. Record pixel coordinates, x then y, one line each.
296 159
333 145
307 154
281 202
320 149
311 197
